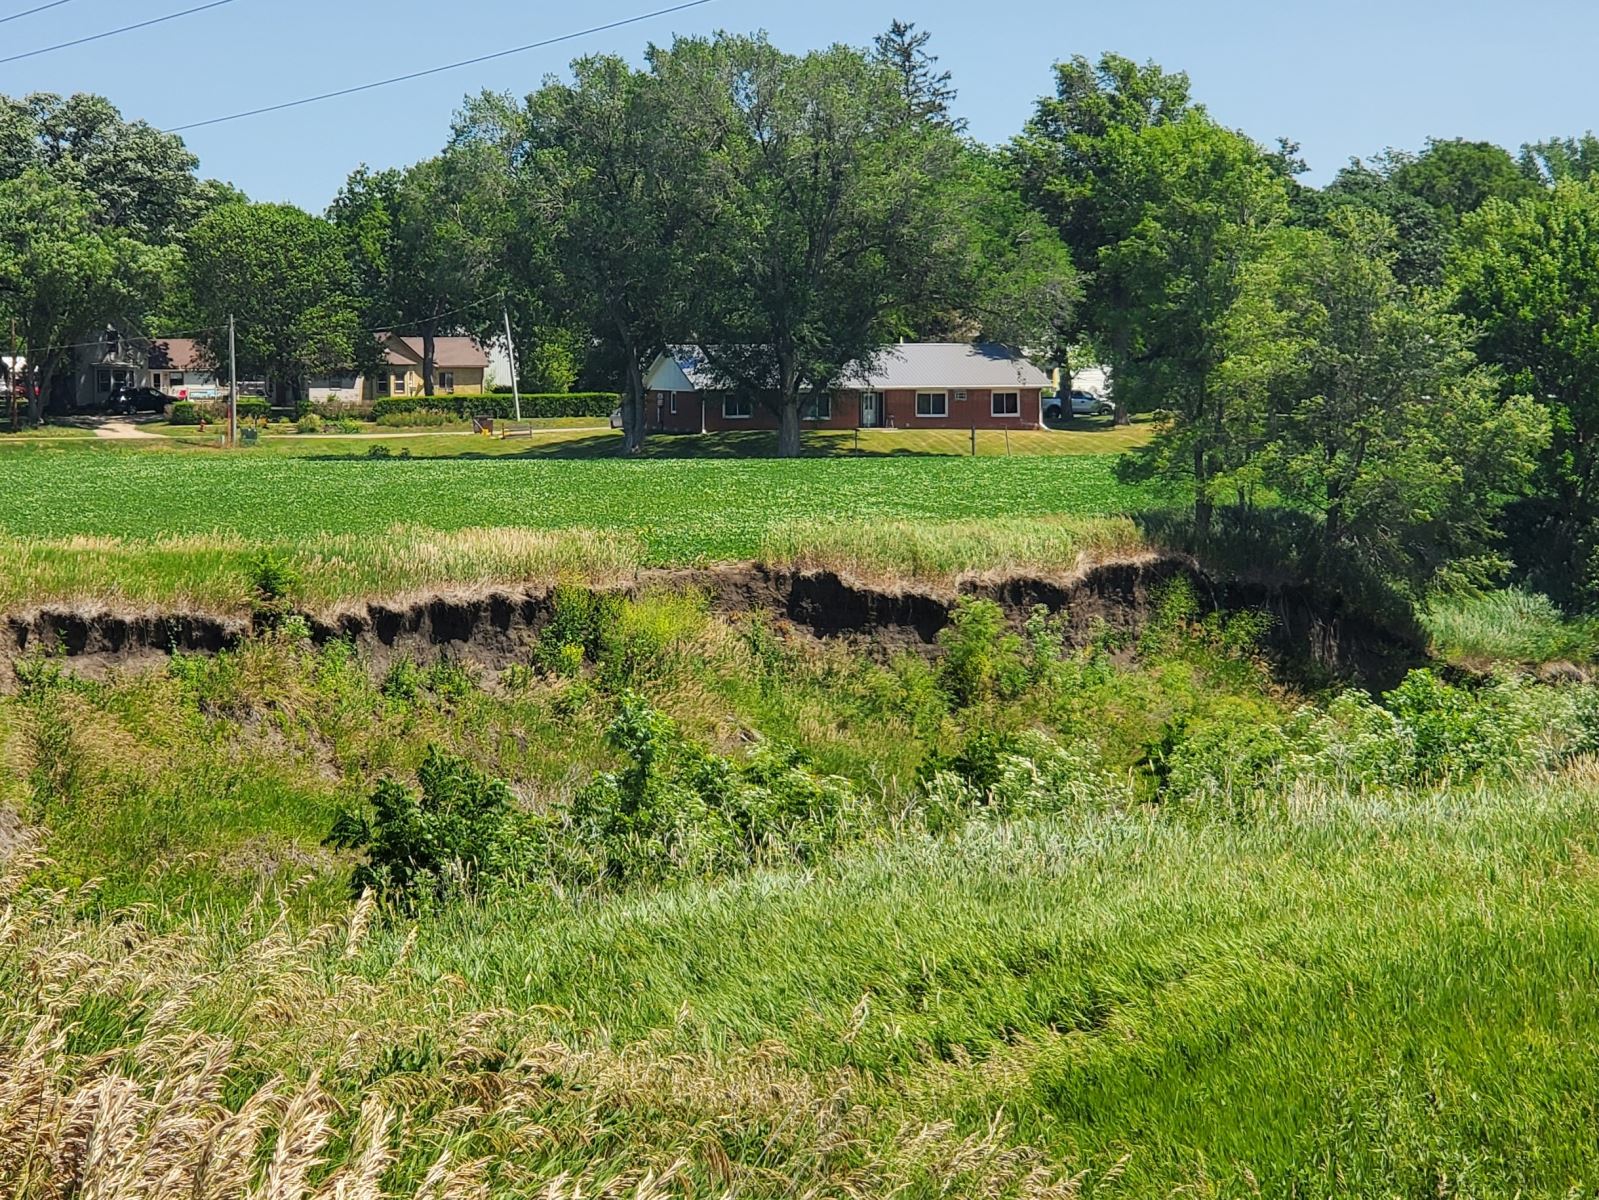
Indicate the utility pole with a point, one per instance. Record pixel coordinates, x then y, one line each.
510 352
11 375
233 387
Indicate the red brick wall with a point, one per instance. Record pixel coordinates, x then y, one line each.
977 410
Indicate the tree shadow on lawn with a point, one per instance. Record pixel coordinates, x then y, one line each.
657 447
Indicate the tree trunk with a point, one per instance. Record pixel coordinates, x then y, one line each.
1204 508
1118 358
788 428
633 409
429 355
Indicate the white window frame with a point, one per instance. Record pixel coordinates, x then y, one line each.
1015 411
943 414
380 385
813 409
177 379
672 396
747 415
960 397
447 380
402 384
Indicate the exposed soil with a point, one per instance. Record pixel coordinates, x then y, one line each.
495 628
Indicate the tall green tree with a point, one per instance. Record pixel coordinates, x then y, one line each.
285 276
1062 162
926 93
830 227
604 172
1204 203
135 178
1382 419
424 241
1560 160
1528 276
64 274
1458 177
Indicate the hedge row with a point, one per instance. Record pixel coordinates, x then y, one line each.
189 412
570 404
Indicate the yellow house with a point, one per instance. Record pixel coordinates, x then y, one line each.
459 365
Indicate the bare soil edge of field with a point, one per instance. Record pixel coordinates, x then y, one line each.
494 628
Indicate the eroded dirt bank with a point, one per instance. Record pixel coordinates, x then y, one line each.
495 628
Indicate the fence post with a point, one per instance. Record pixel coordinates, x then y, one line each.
1007 443
974 441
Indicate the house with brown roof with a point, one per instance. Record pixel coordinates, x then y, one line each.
459 365
177 367
924 385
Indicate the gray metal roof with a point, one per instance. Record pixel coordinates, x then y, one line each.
946 365
949 365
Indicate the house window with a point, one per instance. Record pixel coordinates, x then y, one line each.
383 385
818 408
735 409
672 397
1007 404
960 397
175 380
932 404
399 385
447 380
155 380
102 382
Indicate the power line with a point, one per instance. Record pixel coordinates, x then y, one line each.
97 37
455 66
28 12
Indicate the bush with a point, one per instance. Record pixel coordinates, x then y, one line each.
983 661
677 810
309 422
460 832
1005 775
501 406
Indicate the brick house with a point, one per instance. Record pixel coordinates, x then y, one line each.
920 385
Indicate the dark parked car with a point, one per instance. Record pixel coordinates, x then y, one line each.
139 400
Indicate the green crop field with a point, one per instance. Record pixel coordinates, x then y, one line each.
684 510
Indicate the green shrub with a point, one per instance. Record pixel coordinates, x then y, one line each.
1015 775
309 422
253 408
501 406
983 660
185 412
575 631
676 809
456 835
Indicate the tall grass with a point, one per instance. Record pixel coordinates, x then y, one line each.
1510 625
944 551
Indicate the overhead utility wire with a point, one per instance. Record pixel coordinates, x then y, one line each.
28 12
455 66
98 37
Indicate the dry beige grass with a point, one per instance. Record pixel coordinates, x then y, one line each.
944 552
247 1064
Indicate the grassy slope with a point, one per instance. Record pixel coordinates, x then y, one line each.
1327 996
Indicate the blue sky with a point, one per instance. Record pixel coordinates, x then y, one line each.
1342 78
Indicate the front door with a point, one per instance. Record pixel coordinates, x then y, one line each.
871 410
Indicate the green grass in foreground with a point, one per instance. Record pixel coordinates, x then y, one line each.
1240 990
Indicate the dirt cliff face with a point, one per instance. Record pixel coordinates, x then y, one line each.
494 629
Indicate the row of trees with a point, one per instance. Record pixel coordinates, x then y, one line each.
1407 352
